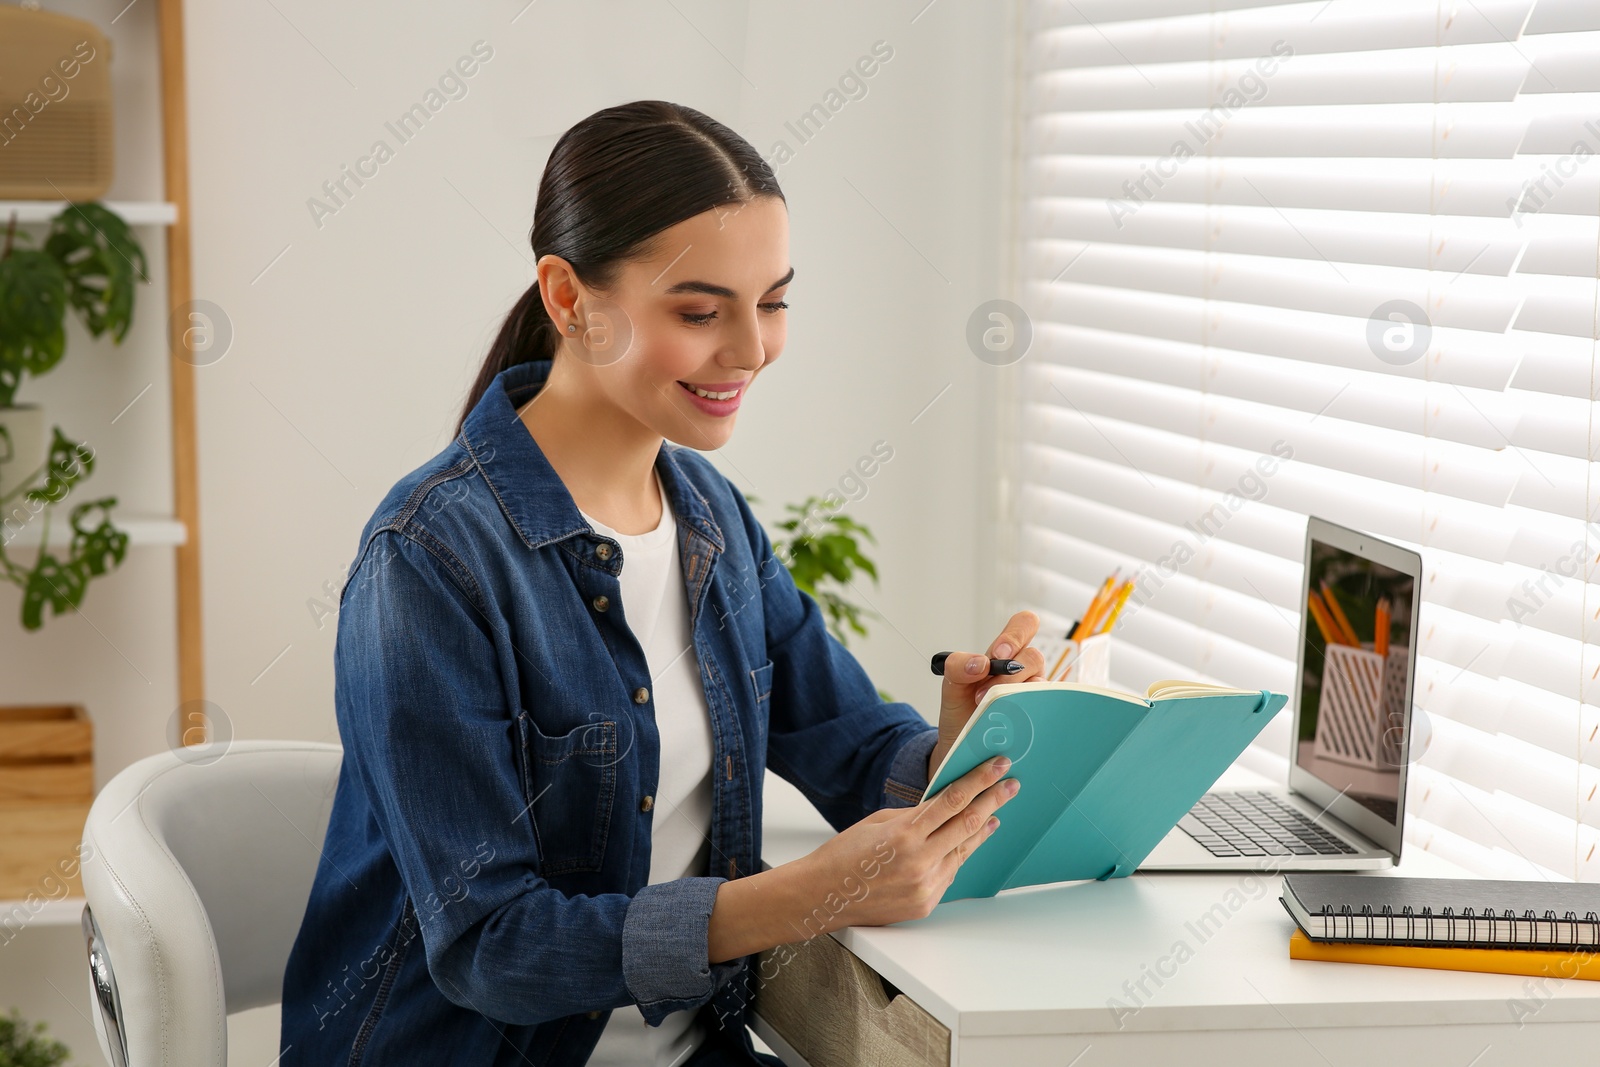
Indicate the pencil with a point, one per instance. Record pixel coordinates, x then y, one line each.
1338 615
1064 650
1319 615
1097 605
1116 607
1380 628
1088 613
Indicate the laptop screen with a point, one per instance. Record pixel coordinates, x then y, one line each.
1355 677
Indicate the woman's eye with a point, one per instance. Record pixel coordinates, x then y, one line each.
701 318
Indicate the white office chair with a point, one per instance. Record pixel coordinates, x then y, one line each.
197 866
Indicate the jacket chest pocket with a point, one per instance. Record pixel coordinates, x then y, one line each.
761 680
572 785
761 685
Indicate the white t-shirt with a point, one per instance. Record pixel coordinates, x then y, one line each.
656 607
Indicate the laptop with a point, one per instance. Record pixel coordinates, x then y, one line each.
1344 808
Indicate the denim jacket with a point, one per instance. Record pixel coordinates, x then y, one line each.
481 896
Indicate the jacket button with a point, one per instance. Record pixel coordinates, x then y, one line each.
647 803
641 695
594 1015
733 870
603 550
601 603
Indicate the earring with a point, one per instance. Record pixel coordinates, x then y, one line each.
571 326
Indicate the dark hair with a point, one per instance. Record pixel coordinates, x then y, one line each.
612 183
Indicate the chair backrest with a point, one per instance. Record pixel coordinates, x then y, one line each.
197 866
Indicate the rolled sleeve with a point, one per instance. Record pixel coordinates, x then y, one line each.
908 773
665 947
431 735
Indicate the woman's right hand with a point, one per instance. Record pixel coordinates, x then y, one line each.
897 862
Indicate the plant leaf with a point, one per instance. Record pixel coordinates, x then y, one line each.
33 303
102 261
94 546
845 522
50 582
69 463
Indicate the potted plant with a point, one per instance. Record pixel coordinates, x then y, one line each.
818 557
24 1045
90 263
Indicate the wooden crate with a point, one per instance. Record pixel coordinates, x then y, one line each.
46 789
39 849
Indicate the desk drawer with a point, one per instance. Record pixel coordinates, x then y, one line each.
837 1012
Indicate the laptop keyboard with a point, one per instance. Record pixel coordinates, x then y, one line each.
1257 824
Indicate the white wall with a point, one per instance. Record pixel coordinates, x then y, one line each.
356 340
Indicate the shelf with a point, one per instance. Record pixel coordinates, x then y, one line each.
142 530
134 212
20 914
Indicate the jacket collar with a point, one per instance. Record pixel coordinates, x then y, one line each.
533 497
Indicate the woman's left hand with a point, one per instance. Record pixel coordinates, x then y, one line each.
967 678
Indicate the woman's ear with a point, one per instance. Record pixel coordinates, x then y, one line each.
560 288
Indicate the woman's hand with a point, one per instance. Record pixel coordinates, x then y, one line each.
897 862
967 678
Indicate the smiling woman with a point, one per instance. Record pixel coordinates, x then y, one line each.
555 718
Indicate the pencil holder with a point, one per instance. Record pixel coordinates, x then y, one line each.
1087 661
1395 691
1362 697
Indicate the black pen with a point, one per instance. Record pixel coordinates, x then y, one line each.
996 666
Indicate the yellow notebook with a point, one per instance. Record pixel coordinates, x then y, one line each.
1554 963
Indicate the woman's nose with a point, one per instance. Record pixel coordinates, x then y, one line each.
749 354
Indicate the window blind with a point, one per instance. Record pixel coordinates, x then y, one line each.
1334 258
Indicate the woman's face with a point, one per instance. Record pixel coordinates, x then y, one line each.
706 309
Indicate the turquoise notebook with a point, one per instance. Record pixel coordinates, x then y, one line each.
1105 774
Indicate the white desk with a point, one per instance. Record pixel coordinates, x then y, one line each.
1036 976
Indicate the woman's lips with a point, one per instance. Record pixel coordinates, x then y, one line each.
717 408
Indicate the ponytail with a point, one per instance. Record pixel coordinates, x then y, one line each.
526 335
612 183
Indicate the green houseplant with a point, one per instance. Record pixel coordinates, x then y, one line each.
818 547
24 1045
89 263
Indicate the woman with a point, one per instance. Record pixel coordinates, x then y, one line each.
567 654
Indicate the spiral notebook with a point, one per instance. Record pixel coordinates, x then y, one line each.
1444 911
